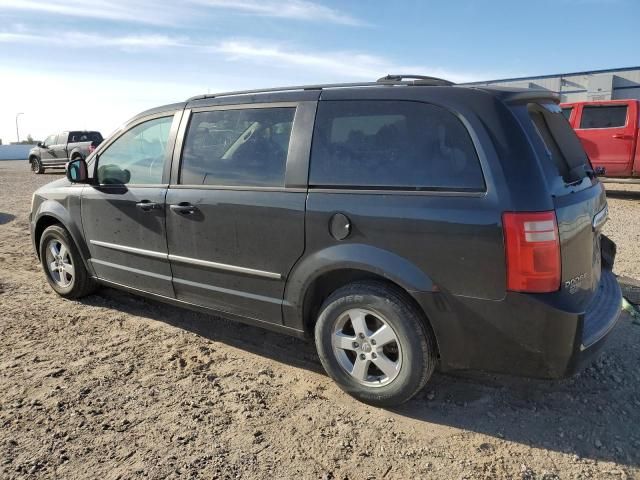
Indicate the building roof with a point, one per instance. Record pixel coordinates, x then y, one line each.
539 77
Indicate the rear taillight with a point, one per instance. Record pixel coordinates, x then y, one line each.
532 251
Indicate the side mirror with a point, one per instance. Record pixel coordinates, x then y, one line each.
40 144
77 171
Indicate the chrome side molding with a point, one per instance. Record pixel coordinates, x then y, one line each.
124 248
187 260
223 266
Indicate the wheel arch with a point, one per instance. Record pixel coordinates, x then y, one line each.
320 274
75 154
52 213
44 222
33 157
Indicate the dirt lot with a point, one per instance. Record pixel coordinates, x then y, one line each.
120 387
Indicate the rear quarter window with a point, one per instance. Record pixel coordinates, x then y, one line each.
603 116
94 137
559 142
392 145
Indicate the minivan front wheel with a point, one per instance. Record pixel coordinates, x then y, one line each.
61 261
374 343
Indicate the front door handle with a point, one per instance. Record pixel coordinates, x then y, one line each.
147 206
184 208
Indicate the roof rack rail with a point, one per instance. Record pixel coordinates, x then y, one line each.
417 80
388 80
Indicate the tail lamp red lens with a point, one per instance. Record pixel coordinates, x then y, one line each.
532 246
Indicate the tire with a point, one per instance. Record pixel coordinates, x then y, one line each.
405 349
65 270
36 166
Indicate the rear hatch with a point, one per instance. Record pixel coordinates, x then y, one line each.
579 199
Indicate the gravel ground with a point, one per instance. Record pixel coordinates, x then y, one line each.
116 386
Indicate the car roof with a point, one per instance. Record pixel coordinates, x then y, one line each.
391 86
171 107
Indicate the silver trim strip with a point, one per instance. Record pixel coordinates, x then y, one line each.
224 266
600 218
187 260
132 270
124 248
260 298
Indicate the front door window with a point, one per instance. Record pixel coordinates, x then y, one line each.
138 156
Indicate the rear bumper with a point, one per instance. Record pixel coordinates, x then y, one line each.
598 321
526 335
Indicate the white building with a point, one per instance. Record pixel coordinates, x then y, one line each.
615 83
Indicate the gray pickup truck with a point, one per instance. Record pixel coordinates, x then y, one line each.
58 149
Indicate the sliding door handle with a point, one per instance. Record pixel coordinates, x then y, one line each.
147 206
183 208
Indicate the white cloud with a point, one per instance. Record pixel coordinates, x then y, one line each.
170 12
292 9
330 64
89 40
138 11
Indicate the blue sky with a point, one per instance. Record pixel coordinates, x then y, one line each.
95 63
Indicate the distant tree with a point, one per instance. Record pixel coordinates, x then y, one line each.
28 141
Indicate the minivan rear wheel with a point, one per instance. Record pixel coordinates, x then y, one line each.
375 344
61 261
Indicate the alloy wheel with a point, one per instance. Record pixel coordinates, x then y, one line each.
367 347
59 263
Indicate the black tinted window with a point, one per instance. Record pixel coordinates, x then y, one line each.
567 112
387 144
561 145
237 147
94 137
607 116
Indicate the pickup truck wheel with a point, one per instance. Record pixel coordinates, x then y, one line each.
61 261
374 343
36 166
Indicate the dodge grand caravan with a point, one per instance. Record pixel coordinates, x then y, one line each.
402 224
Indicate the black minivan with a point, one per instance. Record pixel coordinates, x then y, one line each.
403 224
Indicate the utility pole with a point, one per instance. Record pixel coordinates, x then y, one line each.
17 130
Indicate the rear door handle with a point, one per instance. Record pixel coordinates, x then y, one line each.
622 136
183 208
147 206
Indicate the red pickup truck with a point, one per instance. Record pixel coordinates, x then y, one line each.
609 132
